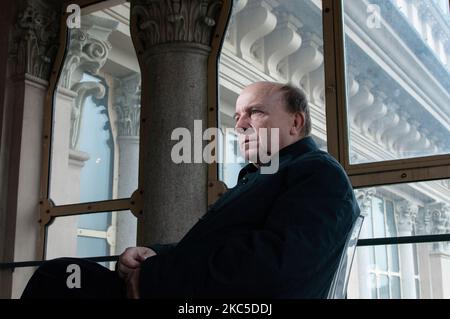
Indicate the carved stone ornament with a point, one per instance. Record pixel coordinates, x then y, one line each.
175 20
128 105
88 49
87 52
406 214
33 42
435 220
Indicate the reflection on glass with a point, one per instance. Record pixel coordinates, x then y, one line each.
429 280
398 79
268 41
405 209
379 228
96 111
381 257
90 235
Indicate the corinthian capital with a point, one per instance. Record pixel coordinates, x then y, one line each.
33 42
128 105
169 21
438 217
406 213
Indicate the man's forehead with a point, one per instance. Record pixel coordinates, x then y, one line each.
258 94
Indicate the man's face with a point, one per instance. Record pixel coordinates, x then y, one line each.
261 105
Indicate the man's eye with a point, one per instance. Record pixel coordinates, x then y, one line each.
255 112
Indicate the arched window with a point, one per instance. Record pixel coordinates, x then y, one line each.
94 152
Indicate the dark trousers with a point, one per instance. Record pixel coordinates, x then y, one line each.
74 278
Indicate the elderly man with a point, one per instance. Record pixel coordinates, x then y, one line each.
274 235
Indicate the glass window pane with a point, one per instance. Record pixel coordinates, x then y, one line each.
373 286
379 228
391 230
393 259
421 208
398 80
431 281
395 287
271 41
96 111
381 257
383 287
92 246
91 235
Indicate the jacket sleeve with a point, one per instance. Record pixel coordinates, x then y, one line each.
305 230
162 248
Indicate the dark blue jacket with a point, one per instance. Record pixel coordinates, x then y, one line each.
271 236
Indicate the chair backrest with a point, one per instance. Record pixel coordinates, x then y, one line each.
338 288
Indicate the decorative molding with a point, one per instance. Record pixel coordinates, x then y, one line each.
34 40
128 105
435 220
171 21
364 199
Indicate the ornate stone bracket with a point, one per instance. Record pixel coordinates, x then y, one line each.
87 52
88 49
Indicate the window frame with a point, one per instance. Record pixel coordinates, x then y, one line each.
368 174
48 210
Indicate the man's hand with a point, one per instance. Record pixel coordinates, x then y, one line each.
133 284
131 260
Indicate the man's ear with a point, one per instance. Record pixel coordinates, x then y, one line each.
298 124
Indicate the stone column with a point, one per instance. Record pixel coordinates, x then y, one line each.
128 108
405 214
364 198
439 256
173 40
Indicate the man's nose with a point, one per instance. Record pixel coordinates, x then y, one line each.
242 124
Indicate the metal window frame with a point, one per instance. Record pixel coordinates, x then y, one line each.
369 174
48 210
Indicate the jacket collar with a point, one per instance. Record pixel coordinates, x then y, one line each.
296 149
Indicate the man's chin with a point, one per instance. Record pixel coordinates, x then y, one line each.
251 156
